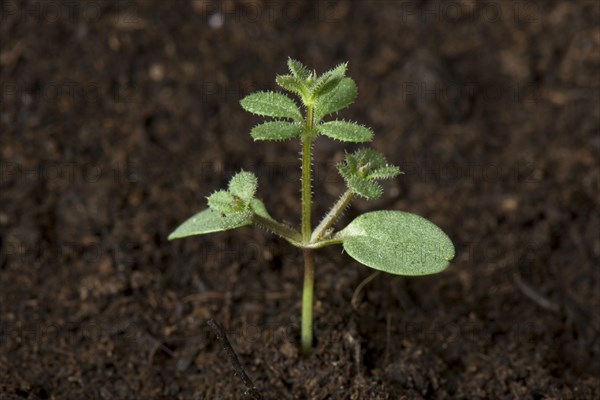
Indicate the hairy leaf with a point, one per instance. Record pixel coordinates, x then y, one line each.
369 158
292 84
207 221
244 185
328 80
346 131
397 242
340 97
369 189
271 104
362 169
298 70
385 172
366 163
277 130
258 207
210 221
223 202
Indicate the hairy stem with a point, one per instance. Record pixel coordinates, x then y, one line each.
307 301
333 214
286 232
306 176
309 258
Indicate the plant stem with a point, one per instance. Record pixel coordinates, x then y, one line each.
307 301
286 232
323 243
306 176
333 214
309 258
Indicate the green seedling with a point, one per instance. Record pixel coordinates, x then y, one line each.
395 242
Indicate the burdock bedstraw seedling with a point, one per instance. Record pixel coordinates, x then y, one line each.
396 242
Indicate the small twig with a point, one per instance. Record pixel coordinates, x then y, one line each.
368 279
233 358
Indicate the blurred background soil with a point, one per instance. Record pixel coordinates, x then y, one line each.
117 118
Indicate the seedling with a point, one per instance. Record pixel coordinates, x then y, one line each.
395 242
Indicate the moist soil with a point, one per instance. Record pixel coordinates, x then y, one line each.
118 118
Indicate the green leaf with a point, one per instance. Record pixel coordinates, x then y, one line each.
292 84
244 185
298 70
362 169
223 202
369 158
210 221
366 188
365 163
276 130
385 172
258 207
338 98
328 80
271 104
207 221
236 219
397 242
346 131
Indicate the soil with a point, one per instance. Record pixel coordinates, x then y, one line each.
119 117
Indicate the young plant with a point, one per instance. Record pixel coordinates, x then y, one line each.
396 242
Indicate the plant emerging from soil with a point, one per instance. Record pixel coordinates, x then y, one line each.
395 242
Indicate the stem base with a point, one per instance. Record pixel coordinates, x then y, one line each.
307 302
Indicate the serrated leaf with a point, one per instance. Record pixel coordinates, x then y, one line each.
298 69
271 104
362 169
244 185
369 189
369 157
276 130
346 131
328 81
361 163
385 172
340 97
397 242
210 221
347 168
292 84
223 202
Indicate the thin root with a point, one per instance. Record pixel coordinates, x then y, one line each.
359 288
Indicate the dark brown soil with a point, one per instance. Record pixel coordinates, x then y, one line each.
118 117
